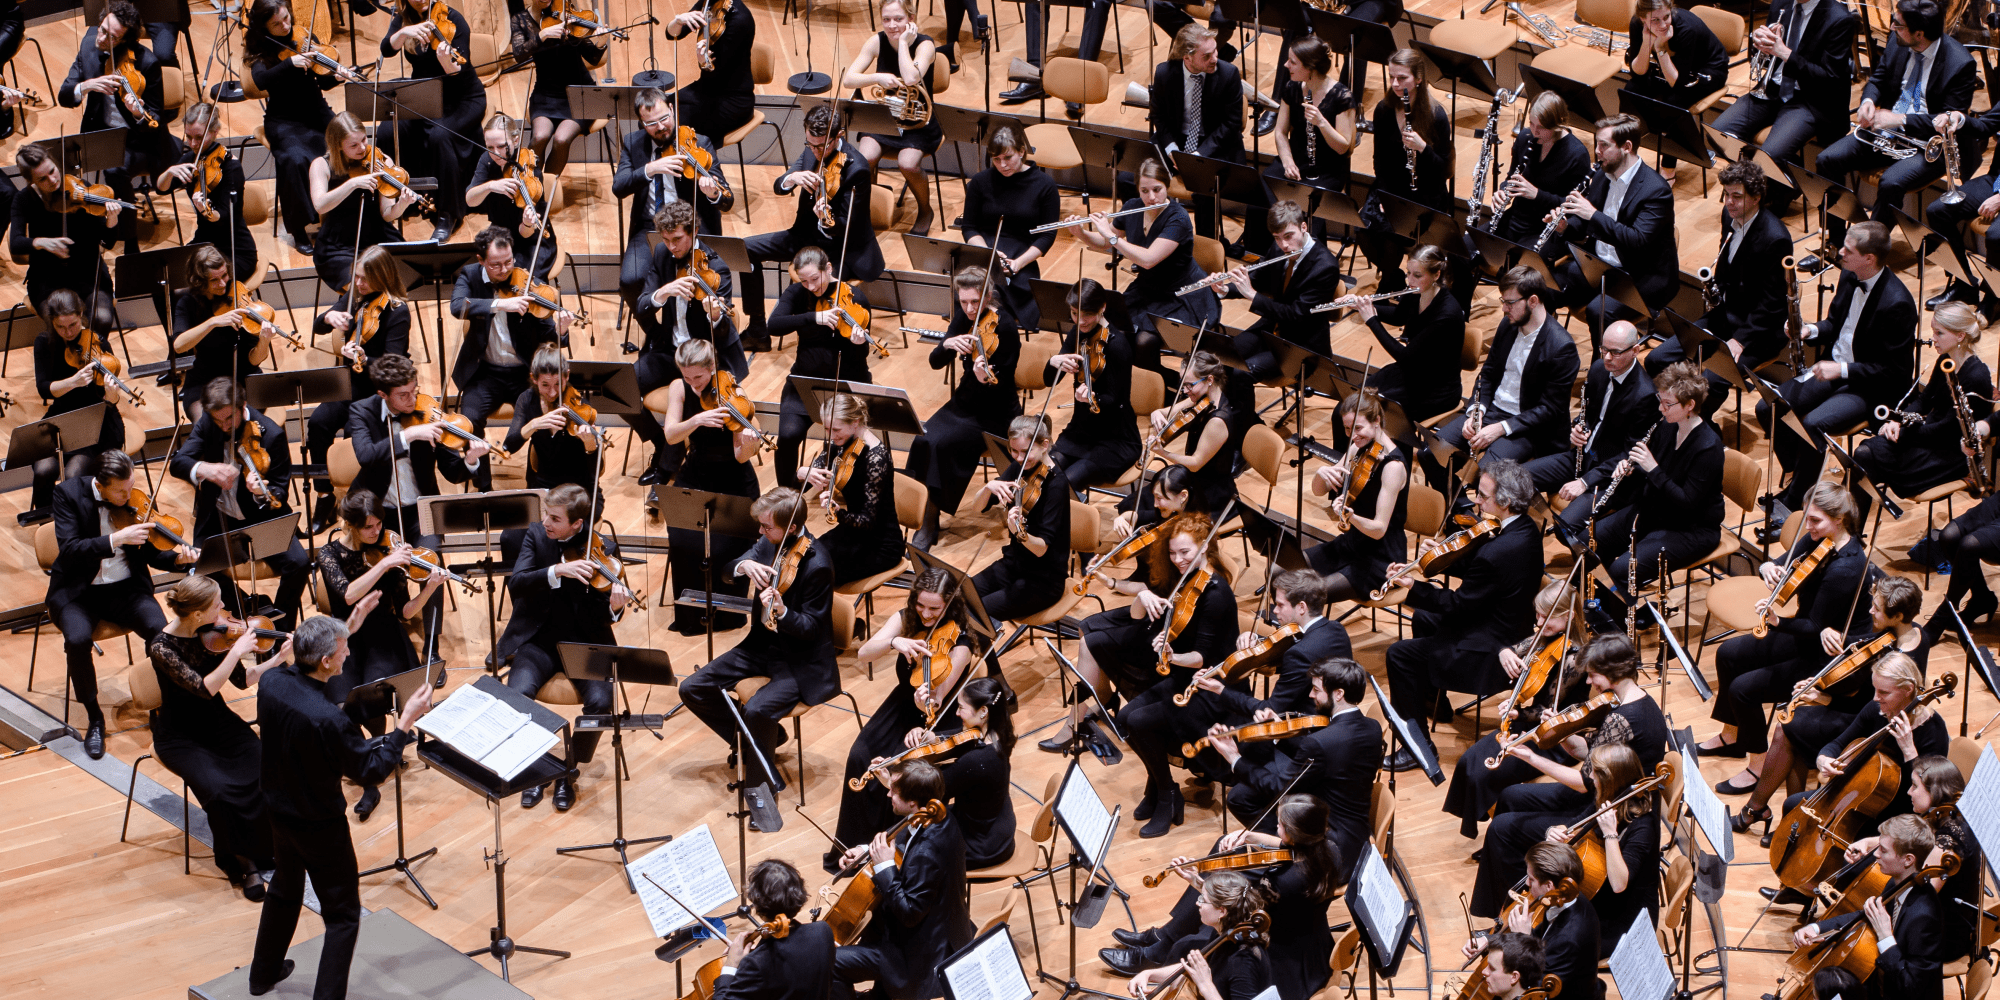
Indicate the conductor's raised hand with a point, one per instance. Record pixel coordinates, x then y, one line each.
415 708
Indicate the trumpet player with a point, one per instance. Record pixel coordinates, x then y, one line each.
1617 409
1923 74
1413 153
1625 217
1976 197
1918 448
1807 46
1283 297
1523 387
1547 161
1674 58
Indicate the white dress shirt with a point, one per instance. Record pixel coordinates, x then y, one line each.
1507 395
113 568
1614 199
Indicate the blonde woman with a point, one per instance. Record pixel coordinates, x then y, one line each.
1913 455
353 215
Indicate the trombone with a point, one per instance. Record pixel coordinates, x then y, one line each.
1050 227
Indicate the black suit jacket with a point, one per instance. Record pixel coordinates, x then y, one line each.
1546 380
81 546
207 443
1292 691
1912 969
1572 942
1953 78
631 182
802 645
861 258
1884 338
1284 308
728 347
1633 409
1342 758
1643 232
472 300
376 447
1683 492
91 63
1494 605
1821 69
798 966
1221 110
578 612
920 912
309 745
1753 288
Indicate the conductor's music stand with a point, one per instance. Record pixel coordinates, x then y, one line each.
434 264
711 514
591 661
402 687
485 513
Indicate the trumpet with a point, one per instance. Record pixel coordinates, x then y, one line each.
1377 297
1897 146
1761 63
1954 191
1221 276
1050 227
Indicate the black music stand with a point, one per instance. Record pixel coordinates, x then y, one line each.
1834 198
86 152
590 661
1052 297
610 386
1500 253
482 782
1420 223
154 273
1584 108
1115 154
1220 180
711 514
1676 131
614 103
295 389
401 687
1362 41
50 437
1333 205
435 264
393 101
982 623
1609 279
1182 339
889 408
1735 150
485 513
928 253
247 545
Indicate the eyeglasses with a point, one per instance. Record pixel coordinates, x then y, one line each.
1618 352
1515 301
663 119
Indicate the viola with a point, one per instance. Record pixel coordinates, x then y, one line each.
707 282
219 637
168 533
1360 470
849 910
582 416
1030 494
722 391
787 570
1851 659
1537 909
1093 362
1253 933
133 83
1245 661
544 298
257 314
208 177
711 29
443 34
93 198
1281 728
1245 858
391 180
987 332
320 59
423 562
365 325
1181 422
525 167
705 977
1853 947
1558 726
609 570
86 352
1443 555
1182 603
830 173
578 20
1588 840
29 99
1134 543
935 748
458 427
1801 569
849 317
699 164
833 498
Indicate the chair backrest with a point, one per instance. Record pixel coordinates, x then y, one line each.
761 63
1424 511
881 207
1676 798
1044 825
843 623
1262 451
1084 529
910 499
1611 15
1381 811
1742 479
1979 978
144 684
341 465
1728 27
486 53
940 76
1346 951
173 87
256 203
1034 363
1680 878
250 88
1079 81
1208 253
1795 522
1470 349
1149 391
45 545
1964 753
1005 913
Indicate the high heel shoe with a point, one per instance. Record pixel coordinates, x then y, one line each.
1982 605
1169 811
1751 816
950 54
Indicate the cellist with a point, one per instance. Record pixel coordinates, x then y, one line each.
794 962
1935 788
920 914
1572 939
1630 843
1909 924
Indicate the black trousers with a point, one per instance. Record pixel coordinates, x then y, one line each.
1907 466
1501 863
1949 221
1088 46
124 604
537 661
1093 463
1825 406
292 567
763 713
326 853
1155 728
328 421
1475 789
1426 666
1899 177
1751 673
293 146
1792 125
491 388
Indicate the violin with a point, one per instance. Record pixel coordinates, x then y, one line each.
1283 727
848 912
1474 987
1814 835
722 391
698 164
1134 543
443 33
392 181
987 332
92 198
1182 603
423 561
829 175
1853 947
935 748
1588 841
367 323
1245 661
220 636
29 99
787 570
833 498
1243 858
1558 726
1031 494
1443 555
610 571
943 639
849 317
168 532
706 280
1253 933
86 352
1533 677
711 970
458 427
544 298
578 20
582 416
1180 423
1802 567
1853 658
1093 362
208 177
525 167
712 29
320 59
1361 468
133 83
257 314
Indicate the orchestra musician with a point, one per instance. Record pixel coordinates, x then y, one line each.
1910 456
668 301
794 962
1867 343
1935 788
1475 788
978 777
1523 386
1423 379
1298 598
1914 733
1197 106
1101 440
376 305
1632 868
13 32
923 681
201 739
1967 541
1609 664
1315 127
1215 426
716 461
1617 408
400 455
561 446
555 601
860 502
97 82
296 115
1673 57
1372 506
1514 964
102 575
501 334
1457 634
62 249
849 242
205 326
1033 567
1910 923
1160 242
1233 971
797 653
353 216
68 388
1301 890
562 60
983 399
1829 708
1752 672
1283 300
1803 96
829 346
902 57
441 147
310 744
920 912
1625 218
1547 161
720 100
651 172
1414 166
1923 74
1571 935
1951 220
1003 204
493 188
219 459
229 232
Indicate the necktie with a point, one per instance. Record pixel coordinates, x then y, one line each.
1194 113
1914 85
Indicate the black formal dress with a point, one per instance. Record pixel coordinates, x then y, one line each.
555 458
1001 210
217 511
380 648
1502 865
446 146
1525 811
1931 736
1753 672
295 118
866 812
924 138
347 229
83 271
1362 560
560 64
199 737
866 537
1813 726
920 918
1021 583
223 353
710 466
849 243
954 438
1214 484
822 353
979 781
1423 379
1960 896
1554 172
1702 64
1475 788
1098 446
1153 291
1426 186
721 100
1677 506
1153 725
1926 453
51 366
229 232
1318 163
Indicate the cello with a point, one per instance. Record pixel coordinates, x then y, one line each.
848 910
1474 985
1853 947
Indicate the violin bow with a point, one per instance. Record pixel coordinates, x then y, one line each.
1146 459
985 290
1187 574
957 594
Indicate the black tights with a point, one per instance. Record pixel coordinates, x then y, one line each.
954 19
1340 588
1968 552
555 156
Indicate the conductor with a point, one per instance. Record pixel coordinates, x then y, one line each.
309 745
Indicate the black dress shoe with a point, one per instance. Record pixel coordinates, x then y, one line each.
253 887
1061 744
259 989
925 538
1266 121
1731 749
755 340
1073 109
1023 93
1169 811
1136 939
1403 760
1124 961
564 795
532 797
441 234
650 477
304 248
326 511
1785 896
365 806
93 740
1982 605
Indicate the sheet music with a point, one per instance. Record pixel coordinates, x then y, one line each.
1980 803
1706 808
1416 746
989 969
1382 902
517 751
1083 813
450 715
1637 965
491 732
689 866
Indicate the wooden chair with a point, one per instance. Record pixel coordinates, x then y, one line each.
145 686
1742 479
749 686
1149 393
1674 890
1381 812
1964 754
1084 531
1423 515
1073 80
761 73
1733 599
1030 369
1929 498
45 555
486 54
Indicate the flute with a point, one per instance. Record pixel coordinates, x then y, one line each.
1222 276
1050 227
1377 297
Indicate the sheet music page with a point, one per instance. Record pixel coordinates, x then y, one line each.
1382 903
689 866
526 745
1637 965
450 715
989 970
1084 813
1980 803
1706 808
483 733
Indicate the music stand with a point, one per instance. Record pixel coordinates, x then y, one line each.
1052 298
614 103
609 386
889 408
1500 253
1585 110
1609 279
49 437
591 661
484 513
1461 68
86 152
155 273
1220 180
1421 223
1183 339
394 100
1079 687
711 514
981 622
1675 130
1834 198
1362 41
1333 205
936 256
437 265
1080 813
247 545
1117 154
401 687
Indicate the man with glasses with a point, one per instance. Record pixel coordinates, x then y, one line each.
652 171
492 194
1523 388
491 369
1617 409
845 230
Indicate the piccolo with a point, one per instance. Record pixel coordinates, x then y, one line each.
1050 227
1222 276
1341 303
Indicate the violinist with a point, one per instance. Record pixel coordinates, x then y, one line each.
563 58
1913 933
204 153
1413 153
1298 597
1753 672
1340 761
376 313
1475 788
107 59
1910 456
353 213
296 114
209 324
979 776
846 235
401 456
1215 428
827 347
855 478
102 574
1160 242
1370 489
723 97
1283 300
1935 788
1523 386
1231 970
1571 936
902 57
1627 835
1300 891
1034 566
1424 378
1003 205
1610 666
199 737
69 387
365 570
555 602
499 190
1547 162
933 619
718 462
794 962
562 446
1101 440
791 634
500 333
240 465
653 171
986 346
1457 635
1829 706
679 304
437 147
62 249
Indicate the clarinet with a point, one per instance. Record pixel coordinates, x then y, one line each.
1475 411
1585 424
1618 475
1632 581
1550 229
